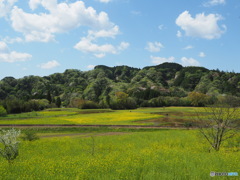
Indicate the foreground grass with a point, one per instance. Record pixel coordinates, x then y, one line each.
164 154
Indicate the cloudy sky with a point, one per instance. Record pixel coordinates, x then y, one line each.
41 37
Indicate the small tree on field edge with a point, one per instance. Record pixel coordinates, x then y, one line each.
218 123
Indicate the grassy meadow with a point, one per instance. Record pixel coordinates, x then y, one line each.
162 154
171 116
104 153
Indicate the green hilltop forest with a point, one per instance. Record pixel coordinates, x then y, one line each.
120 87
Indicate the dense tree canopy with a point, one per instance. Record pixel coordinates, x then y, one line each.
164 84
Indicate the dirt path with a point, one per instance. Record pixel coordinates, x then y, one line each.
74 125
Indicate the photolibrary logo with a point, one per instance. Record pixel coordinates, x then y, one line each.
212 174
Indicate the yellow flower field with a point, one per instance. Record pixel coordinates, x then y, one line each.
123 117
141 116
163 154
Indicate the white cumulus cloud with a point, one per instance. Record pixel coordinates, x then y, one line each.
6 6
87 45
136 13
160 60
202 26
154 46
179 34
100 55
161 27
189 62
214 3
10 40
104 1
48 4
49 64
106 33
61 17
123 46
202 54
91 66
188 47
12 56
3 47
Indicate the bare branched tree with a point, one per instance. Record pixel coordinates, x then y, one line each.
218 123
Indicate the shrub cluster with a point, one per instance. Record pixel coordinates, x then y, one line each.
18 106
3 111
9 141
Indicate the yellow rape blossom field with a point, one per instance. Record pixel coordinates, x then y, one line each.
150 155
113 118
106 117
107 153
141 116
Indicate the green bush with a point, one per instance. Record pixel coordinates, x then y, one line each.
3 111
188 124
30 136
8 138
129 103
14 106
89 105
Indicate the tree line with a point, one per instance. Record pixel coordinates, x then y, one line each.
120 87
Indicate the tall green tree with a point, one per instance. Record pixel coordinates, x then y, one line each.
198 99
58 102
49 97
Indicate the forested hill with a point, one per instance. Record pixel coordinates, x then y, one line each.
170 81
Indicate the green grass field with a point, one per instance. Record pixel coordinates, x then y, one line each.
171 116
162 154
105 153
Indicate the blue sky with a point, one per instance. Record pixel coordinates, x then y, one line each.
41 37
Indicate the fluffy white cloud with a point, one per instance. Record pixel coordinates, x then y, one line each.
100 55
61 18
33 4
203 26
188 47
123 46
136 13
12 40
179 34
160 60
189 62
161 27
112 32
12 56
3 47
49 64
214 3
154 46
202 54
6 6
48 4
91 66
87 45
105 1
